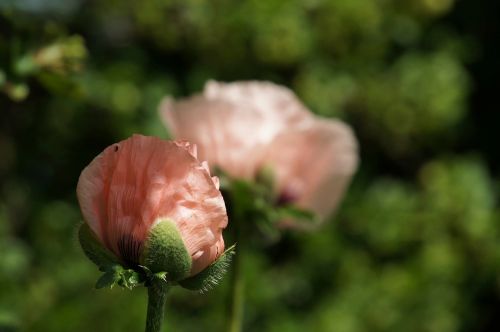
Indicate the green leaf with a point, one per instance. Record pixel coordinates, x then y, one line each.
129 279
212 275
117 275
109 278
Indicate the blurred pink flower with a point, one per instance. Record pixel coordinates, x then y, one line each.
135 183
314 165
243 127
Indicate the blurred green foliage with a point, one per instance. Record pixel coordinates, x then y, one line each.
416 245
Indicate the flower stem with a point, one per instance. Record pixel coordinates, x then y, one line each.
237 285
157 294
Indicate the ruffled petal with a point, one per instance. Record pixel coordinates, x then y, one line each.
314 165
190 147
207 256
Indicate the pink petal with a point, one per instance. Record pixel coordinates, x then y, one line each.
273 101
216 181
207 256
314 165
191 148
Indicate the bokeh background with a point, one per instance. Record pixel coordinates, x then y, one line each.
416 244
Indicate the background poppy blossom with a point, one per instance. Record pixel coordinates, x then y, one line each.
243 127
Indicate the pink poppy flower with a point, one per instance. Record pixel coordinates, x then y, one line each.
234 123
244 126
134 184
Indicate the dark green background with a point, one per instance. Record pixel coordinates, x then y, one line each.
415 246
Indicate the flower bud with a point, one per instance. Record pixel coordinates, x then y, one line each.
152 203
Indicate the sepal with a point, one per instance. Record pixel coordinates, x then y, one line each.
165 252
93 249
212 275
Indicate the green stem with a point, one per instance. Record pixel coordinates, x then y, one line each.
237 285
157 294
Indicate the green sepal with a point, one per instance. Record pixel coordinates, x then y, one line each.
212 275
94 250
165 252
117 275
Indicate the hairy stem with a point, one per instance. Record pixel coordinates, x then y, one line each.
157 294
